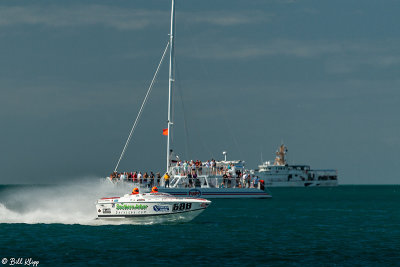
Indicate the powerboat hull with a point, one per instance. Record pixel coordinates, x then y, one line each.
156 207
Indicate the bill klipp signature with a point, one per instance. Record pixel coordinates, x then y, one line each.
19 261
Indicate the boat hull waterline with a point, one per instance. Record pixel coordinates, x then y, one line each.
217 192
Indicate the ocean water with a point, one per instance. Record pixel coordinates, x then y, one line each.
341 226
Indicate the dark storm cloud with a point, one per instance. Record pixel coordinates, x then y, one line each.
322 77
118 17
81 15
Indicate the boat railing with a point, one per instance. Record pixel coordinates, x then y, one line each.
138 182
202 170
178 181
203 181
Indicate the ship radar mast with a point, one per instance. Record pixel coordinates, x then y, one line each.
280 156
224 153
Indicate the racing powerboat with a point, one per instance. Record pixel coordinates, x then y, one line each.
161 207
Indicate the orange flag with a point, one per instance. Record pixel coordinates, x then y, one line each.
165 131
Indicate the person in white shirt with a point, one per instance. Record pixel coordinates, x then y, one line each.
185 168
139 176
244 177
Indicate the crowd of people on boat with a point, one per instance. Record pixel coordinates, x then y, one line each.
146 179
245 180
232 176
210 167
241 180
187 167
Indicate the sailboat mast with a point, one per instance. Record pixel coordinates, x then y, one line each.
171 80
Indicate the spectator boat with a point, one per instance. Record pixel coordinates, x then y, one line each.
225 179
222 179
211 184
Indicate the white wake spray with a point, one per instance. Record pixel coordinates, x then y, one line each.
65 203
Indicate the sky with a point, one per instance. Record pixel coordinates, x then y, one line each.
320 76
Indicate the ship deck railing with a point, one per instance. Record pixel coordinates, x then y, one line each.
204 170
185 182
204 181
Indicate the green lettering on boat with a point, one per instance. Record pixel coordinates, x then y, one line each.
131 207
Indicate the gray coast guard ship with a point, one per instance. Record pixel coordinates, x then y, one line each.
281 174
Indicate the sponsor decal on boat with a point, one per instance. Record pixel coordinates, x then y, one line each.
106 210
194 193
131 207
160 208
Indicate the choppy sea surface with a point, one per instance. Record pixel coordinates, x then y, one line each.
338 226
